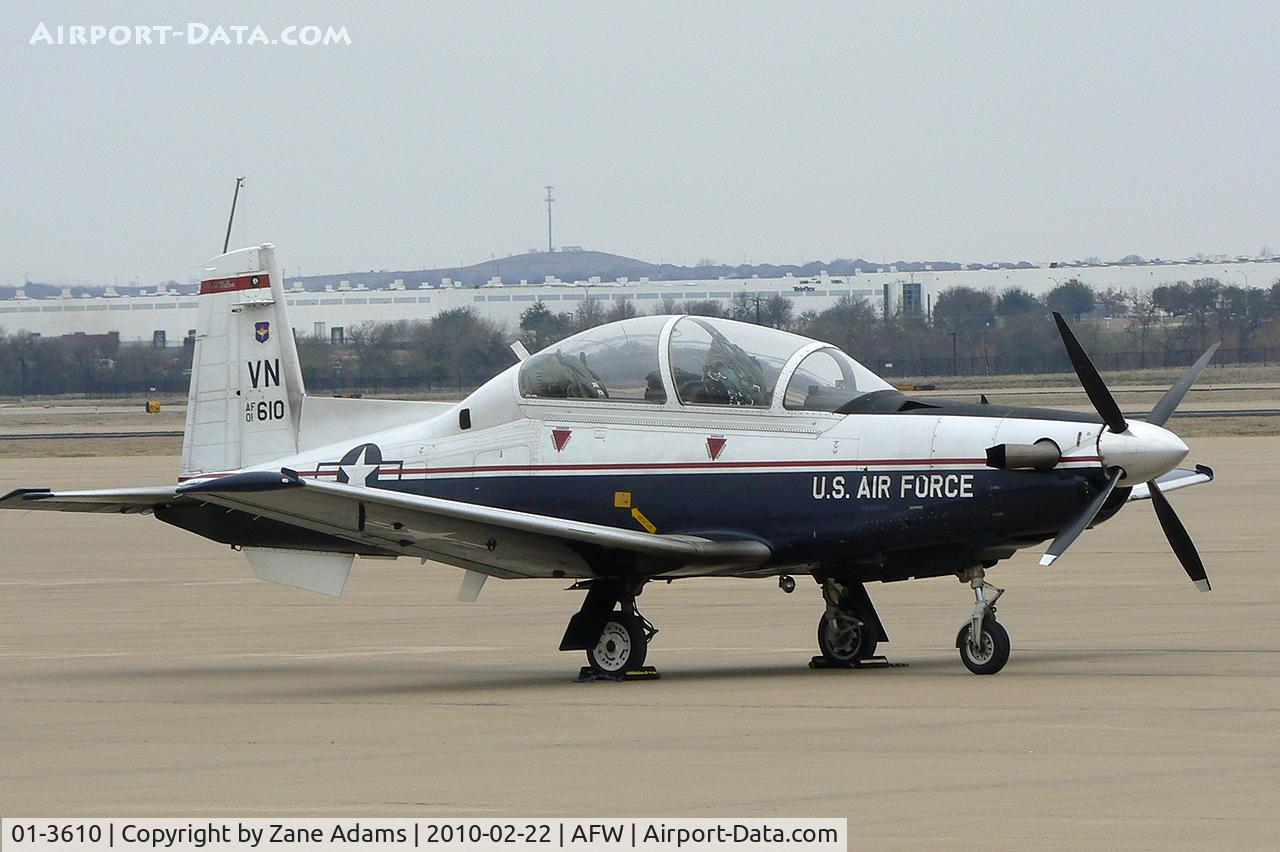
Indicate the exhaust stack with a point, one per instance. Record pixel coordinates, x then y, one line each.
1042 455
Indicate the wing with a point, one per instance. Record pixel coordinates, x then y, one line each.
1177 478
498 542
118 500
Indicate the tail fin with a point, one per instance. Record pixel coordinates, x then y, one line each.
246 393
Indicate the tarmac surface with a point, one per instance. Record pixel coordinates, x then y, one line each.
144 672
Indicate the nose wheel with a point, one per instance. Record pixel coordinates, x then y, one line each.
983 643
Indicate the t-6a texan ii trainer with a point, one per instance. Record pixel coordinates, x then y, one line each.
655 448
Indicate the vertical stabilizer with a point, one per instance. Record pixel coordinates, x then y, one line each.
246 381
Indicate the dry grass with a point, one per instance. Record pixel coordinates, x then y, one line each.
91 448
1230 375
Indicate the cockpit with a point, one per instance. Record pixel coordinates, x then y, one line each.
697 361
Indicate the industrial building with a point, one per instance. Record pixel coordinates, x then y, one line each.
164 317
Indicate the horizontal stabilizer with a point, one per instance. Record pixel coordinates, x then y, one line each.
325 573
121 500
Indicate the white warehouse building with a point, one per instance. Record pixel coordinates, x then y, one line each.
169 317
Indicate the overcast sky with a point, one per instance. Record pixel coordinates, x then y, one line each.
760 132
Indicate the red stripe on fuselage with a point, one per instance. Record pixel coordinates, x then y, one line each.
256 281
694 465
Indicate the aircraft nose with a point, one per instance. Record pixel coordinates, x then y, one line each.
1143 450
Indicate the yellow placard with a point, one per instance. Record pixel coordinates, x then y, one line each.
643 521
622 499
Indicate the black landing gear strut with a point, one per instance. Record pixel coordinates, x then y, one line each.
849 629
983 643
612 632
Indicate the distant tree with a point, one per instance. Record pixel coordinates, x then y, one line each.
1145 315
963 308
804 322
1072 298
666 306
702 308
778 311
373 348
1015 301
849 324
1174 299
774 310
620 310
747 307
1204 295
459 347
589 314
540 326
1113 301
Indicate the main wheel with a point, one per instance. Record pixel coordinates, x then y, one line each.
990 653
622 645
845 643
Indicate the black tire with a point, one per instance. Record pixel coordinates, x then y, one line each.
993 654
621 646
859 644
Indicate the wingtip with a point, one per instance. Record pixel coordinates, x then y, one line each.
22 495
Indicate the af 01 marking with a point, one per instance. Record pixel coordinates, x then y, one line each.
265 372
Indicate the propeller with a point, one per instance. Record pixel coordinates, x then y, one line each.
1145 447
1181 543
1164 408
1094 387
1081 521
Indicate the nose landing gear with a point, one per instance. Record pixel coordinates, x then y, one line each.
982 641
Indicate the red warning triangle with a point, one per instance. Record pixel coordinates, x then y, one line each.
560 437
715 446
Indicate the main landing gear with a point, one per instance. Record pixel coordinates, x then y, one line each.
983 643
849 629
612 631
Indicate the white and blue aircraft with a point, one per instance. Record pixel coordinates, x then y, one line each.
655 448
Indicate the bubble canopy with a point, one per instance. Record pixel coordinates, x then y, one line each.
712 361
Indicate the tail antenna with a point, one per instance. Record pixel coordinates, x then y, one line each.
227 240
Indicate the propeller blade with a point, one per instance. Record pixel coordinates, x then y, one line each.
1093 385
1165 407
1181 543
1082 520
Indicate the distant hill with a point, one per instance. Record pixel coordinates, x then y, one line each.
535 267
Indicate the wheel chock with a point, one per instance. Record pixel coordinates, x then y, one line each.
821 662
589 675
